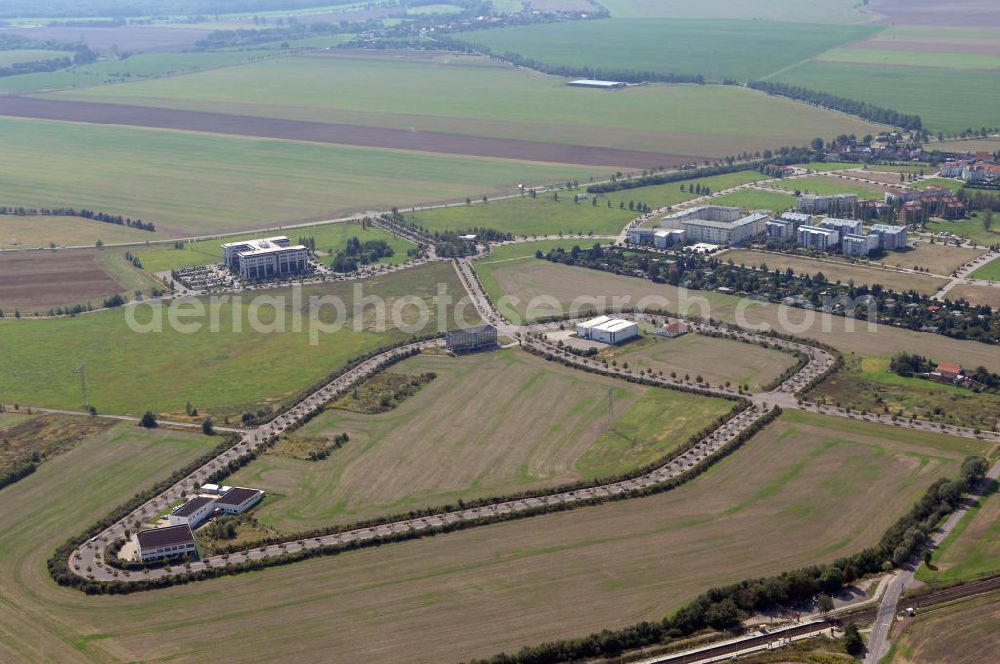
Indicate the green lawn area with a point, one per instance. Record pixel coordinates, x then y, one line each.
537 424
197 184
472 95
971 228
972 548
831 184
989 271
328 236
765 200
716 48
236 366
947 183
971 102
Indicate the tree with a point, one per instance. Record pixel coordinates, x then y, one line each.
208 427
817 143
148 420
853 643
824 603
987 219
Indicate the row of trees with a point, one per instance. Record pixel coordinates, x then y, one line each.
105 217
861 109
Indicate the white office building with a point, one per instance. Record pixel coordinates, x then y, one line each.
265 258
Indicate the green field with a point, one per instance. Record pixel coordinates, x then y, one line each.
971 228
989 271
475 96
831 184
971 102
890 58
191 184
15 56
130 372
537 424
807 490
717 49
972 549
764 200
327 236
35 232
818 11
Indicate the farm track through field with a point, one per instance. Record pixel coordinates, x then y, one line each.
89 559
342 134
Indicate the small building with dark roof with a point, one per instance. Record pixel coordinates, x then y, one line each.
192 512
238 500
168 542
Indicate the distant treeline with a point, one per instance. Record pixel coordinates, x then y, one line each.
104 217
36 66
862 109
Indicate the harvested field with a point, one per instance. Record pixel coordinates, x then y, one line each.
807 490
965 13
134 38
37 232
842 271
988 295
716 360
936 39
970 625
40 280
527 280
342 134
535 424
971 145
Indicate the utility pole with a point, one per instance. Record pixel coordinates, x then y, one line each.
83 383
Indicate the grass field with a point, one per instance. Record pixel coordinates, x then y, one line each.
987 295
936 258
190 184
764 200
989 271
808 489
130 372
819 11
527 280
865 383
8 58
42 437
831 184
327 237
716 48
973 94
37 232
476 96
915 58
716 360
970 625
536 424
841 271
971 145
972 549
971 228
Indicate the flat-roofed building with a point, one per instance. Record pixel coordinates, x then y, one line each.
193 512
842 226
238 500
640 236
717 224
665 238
782 230
818 238
890 237
826 204
169 542
858 246
597 84
265 258
607 330
471 338
797 218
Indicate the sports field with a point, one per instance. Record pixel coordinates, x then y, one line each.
244 364
841 271
527 280
37 232
536 424
831 184
476 97
808 489
970 625
717 48
715 360
193 184
329 239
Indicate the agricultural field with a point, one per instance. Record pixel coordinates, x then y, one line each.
537 424
971 145
989 271
839 271
811 11
971 228
807 489
470 96
752 199
163 366
40 437
715 48
972 549
715 360
37 281
865 383
20 55
831 184
329 239
971 626
527 280
196 184
36 232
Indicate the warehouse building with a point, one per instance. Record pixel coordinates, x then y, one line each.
890 238
607 330
818 238
265 258
170 542
597 84
471 338
716 224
